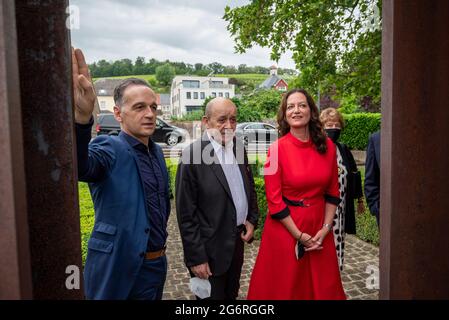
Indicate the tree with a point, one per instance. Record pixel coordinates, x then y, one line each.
165 74
266 102
326 37
229 70
139 66
216 67
243 68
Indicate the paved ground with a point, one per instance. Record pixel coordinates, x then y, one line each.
361 262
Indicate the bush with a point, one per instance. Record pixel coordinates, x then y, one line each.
248 114
358 128
196 115
172 168
87 216
349 104
262 203
366 223
367 229
265 101
257 168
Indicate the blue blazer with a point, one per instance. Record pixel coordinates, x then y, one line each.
121 231
372 173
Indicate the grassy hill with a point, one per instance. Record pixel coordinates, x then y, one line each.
246 83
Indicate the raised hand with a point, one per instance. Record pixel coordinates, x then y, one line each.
83 89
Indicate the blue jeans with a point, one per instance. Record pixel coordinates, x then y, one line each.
149 284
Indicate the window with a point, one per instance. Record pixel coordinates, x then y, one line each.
214 94
188 95
268 127
190 83
203 95
220 94
102 105
195 95
255 127
193 108
107 120
227 95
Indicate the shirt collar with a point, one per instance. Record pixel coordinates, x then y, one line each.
219 146
133 142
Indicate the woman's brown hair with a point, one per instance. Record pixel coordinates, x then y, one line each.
315 127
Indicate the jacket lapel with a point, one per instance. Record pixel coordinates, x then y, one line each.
239 152
216 166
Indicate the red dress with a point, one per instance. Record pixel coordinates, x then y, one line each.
295 170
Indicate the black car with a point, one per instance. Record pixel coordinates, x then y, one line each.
256 132
164 132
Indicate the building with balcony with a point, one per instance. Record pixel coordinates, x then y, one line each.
188 93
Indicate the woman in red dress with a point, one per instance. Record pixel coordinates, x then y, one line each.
301 182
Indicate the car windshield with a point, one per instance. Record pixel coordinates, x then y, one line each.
160 123
107 120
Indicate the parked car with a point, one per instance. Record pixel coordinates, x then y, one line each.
164 132
257 132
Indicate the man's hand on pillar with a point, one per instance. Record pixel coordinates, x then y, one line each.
83 89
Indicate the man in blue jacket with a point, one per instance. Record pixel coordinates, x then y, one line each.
128 181
372 175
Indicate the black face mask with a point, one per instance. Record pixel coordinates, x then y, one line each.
333 134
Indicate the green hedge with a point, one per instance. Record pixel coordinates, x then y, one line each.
366 223
262 202
87 216
172 167
358 128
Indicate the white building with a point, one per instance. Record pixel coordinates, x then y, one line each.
188 93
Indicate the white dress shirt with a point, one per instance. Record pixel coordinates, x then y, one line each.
233 176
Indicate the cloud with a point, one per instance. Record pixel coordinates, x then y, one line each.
179 30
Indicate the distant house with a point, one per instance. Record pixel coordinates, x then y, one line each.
105 95
274 81
164 105
188 93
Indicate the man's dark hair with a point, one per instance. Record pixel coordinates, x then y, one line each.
120 89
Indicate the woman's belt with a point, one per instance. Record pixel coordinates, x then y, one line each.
305 202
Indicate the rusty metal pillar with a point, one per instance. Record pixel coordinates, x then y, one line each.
50 169
15 271
414 259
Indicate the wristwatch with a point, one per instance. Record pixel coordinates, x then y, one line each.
328 226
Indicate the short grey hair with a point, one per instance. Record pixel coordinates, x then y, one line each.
121 88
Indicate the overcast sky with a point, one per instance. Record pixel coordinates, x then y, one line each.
191 31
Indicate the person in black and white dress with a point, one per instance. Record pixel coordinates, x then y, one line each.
350 183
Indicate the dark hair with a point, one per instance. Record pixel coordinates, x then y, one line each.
120 89
315 127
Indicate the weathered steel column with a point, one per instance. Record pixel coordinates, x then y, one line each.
414 259
52 194
15 271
